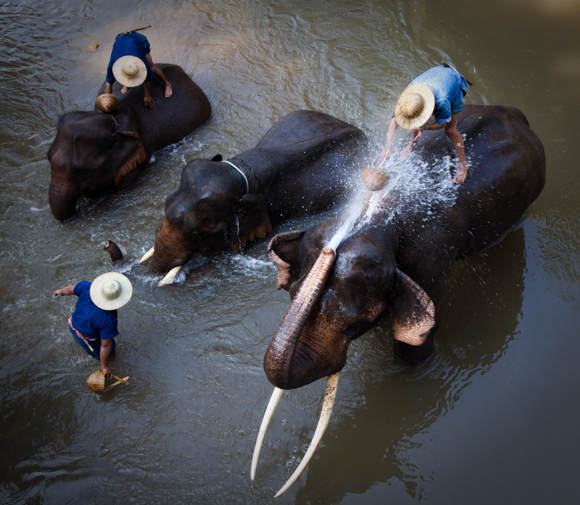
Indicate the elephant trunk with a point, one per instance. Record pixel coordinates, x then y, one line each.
171 250
62 200
278 361
113 250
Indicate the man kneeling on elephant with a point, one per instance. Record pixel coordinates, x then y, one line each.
440 92
131 65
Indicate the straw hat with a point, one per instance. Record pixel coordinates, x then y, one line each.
111 291
130 71
414 106
107 102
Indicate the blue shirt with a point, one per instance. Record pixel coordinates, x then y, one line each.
132 44
448 86
91 321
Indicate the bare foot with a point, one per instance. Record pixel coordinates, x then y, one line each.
124 89
168 90
461 174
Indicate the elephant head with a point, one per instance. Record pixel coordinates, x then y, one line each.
91 153
210 211
334 304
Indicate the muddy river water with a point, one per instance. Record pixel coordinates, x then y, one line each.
492 417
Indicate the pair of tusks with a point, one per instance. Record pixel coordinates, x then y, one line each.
170 277
329 397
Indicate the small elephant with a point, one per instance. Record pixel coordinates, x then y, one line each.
303 164
94 152
399 257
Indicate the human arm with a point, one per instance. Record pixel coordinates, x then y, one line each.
433 126
66 291
390 135
148 100
108 88
105 353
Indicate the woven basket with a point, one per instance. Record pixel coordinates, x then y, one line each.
107 102
96 381
374 178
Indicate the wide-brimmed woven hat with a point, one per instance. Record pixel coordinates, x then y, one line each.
414 106
111 291
130 71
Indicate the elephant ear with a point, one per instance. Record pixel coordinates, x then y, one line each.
128 154
413 310
284 251
252 220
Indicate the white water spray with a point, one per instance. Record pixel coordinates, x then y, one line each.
417 184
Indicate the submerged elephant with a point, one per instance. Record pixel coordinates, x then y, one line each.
398 255
94 152
303 164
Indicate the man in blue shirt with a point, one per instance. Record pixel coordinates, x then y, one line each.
131 65
95 317
439 91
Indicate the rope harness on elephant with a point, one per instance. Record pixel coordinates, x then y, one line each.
131 164
123 132
255 182
243 175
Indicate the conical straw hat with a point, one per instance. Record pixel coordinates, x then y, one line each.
130 71
96 381
111 291
414 106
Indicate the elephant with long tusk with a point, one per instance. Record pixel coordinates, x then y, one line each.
305 163
398 259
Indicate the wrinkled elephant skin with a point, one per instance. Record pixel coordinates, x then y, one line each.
305 163
399 262
94 152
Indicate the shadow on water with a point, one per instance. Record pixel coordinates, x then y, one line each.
381 438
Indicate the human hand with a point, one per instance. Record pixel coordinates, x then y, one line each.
56 294
149 102
107 371
416 134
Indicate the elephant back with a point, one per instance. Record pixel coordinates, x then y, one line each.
305 130
172 118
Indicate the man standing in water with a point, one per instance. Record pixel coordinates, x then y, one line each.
438 91
95 317
131 65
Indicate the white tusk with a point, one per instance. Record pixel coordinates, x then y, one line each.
170 277
329 397
147 255
270 409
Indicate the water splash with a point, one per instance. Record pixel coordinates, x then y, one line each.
415 184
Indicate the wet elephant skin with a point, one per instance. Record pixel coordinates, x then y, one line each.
379 267
304 164
94 152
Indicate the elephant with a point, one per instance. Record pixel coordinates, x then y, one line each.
303 164
397 258
94 152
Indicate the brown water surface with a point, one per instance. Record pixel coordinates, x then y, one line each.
493 417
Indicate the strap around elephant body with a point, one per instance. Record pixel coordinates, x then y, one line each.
123 132
243 175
